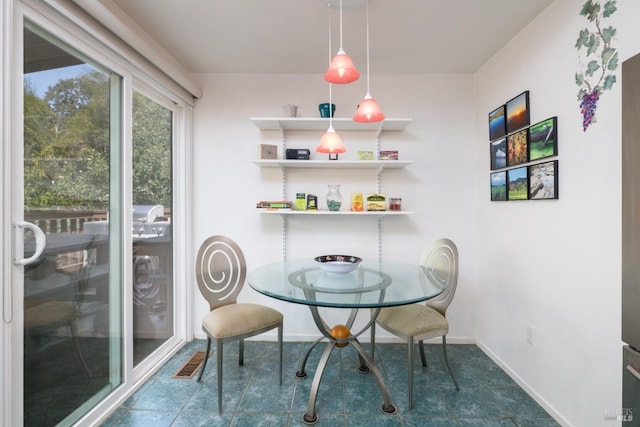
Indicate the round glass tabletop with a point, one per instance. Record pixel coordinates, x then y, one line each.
372 284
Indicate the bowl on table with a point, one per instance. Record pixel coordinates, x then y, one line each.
338 263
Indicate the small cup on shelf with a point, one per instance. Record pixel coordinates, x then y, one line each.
290 110
395 204
325 108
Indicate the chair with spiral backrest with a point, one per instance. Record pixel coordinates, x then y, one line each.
220 273
418 322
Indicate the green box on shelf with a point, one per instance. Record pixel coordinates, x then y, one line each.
365 155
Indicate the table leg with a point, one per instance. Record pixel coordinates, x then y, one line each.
301 372
362 367
311 417
387 407
366 363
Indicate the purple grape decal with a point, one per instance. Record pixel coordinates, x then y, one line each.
588 107
601 59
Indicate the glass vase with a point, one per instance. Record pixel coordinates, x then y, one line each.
334 198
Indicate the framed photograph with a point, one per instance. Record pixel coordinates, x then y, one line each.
497 123
543 139
499 186
498 150
517 147
518 112
543 180
517 184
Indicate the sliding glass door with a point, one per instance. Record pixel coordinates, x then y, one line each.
152 219
71 179
95 193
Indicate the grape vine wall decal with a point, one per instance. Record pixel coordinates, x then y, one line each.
601 59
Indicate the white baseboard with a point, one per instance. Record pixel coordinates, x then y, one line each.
534 395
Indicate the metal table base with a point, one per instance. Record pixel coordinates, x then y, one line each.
366 363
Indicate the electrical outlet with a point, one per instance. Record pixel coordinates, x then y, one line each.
531 334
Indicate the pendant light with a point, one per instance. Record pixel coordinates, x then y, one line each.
341 70
331 142
368 109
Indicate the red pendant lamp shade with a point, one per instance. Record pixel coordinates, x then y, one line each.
331 143
341 70
368 111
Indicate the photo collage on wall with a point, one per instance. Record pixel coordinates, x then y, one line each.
520 153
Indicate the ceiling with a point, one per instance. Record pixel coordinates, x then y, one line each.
292 36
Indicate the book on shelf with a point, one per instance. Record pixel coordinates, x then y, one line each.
274 204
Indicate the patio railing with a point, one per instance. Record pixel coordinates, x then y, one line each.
53 221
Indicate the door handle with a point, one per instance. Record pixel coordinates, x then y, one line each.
41 241
18 253
633 372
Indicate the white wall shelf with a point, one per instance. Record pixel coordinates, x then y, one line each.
322 124
323 212
334 164
285 124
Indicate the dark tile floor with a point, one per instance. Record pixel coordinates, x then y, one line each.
252 396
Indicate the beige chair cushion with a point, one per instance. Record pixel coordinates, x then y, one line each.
238 319
414 320
48 313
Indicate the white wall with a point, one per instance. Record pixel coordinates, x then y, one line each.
436 186
555 265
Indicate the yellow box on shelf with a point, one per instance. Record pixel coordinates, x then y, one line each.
356 202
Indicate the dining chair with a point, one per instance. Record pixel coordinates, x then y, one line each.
47 315
423 321
220 272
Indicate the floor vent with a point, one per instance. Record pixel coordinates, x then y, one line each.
189 369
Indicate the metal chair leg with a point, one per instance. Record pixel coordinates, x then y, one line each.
241 352
446 359
373 341
206 357
219 371
76 346
422 356
280 350
410 363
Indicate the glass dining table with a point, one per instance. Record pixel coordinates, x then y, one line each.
373 284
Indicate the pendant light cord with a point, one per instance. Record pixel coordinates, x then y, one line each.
367 45
330 53
330 57
341 24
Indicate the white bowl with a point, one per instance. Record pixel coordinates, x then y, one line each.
338 263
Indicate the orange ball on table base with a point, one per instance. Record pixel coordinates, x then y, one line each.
340 331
